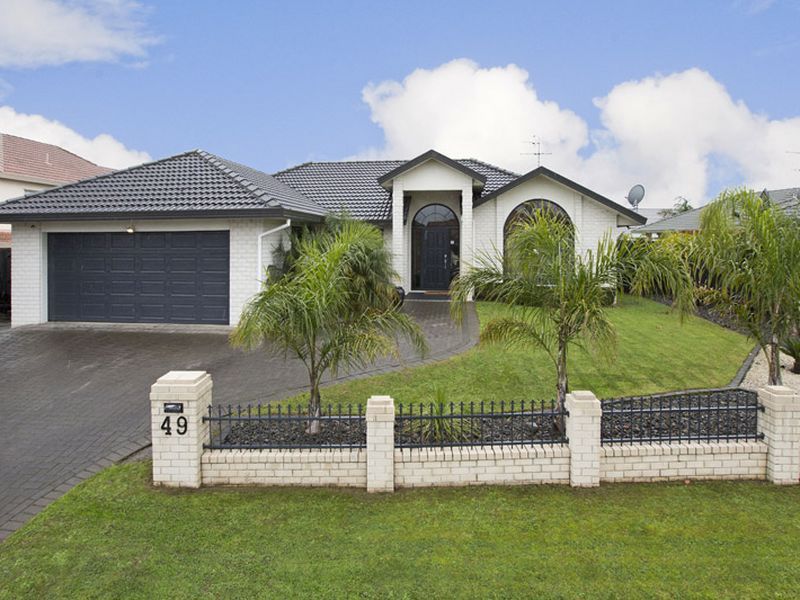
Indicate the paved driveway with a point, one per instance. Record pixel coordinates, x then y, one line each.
74 399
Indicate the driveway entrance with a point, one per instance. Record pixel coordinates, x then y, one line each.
74 398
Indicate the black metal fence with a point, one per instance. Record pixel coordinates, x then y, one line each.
727 414
286 427
478 424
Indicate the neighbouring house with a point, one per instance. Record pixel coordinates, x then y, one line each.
27 167
787 199
187 239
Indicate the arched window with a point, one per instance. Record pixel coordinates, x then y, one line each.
528 208
434 248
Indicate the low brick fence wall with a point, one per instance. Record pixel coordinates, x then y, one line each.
340 468
481 465
180 435
697 460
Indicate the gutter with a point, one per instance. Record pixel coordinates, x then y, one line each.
260 259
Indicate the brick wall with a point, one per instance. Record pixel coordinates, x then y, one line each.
28 275
668 462
179 458
340 468
482 465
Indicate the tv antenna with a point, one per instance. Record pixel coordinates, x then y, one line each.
635 196
537 144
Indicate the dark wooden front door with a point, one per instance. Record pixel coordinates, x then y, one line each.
435 273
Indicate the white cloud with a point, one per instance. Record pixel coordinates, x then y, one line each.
103 149
678 134
35 33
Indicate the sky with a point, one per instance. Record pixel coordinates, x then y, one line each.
686 98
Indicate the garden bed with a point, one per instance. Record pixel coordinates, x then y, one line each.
723 414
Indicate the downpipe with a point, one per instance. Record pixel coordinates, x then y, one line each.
260 259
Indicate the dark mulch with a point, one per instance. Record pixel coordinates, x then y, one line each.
712 414
519 427
277 433
709 313
524 428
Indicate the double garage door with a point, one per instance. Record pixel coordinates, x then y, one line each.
147 277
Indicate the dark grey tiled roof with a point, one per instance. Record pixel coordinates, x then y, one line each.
192 183
352 186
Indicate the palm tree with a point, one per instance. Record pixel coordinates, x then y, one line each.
334 307
750 250
559 298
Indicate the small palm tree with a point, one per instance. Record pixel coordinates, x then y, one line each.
750 250
559 298
334 306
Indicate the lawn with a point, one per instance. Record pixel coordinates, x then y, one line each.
116 536
655 353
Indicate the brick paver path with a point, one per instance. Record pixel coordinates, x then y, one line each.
74 399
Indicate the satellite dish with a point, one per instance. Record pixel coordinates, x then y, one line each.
635 196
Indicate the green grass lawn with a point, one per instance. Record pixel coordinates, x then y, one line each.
655 353
115 536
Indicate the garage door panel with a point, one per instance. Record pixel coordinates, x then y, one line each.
153 264
180 277
91 264
153 240
122 264
121 240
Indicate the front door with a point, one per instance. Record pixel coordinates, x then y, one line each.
435 273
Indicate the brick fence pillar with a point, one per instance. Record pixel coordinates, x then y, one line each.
583 431
178 401
780 425
380 444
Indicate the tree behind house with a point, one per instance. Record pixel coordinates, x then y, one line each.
333 308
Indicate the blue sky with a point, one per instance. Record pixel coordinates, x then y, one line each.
273 84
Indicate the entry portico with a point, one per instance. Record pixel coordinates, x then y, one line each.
427 252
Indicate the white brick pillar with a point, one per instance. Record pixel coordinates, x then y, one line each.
780 425
178 401
398 254
380 444
467 230
583 432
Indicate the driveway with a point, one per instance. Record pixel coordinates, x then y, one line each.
74 398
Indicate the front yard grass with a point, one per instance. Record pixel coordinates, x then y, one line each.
655 353
115 536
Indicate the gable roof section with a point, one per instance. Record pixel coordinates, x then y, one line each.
29 160
191 184
634 216
353 186
425 157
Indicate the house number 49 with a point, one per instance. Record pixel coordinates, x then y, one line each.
180 425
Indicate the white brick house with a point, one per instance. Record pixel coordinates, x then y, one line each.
178 240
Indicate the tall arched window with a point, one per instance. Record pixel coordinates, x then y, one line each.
434 248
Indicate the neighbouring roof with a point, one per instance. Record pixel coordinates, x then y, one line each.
685 221
29 160
787 199
353 186
539 171
195 183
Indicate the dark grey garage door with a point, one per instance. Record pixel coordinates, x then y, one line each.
148 277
